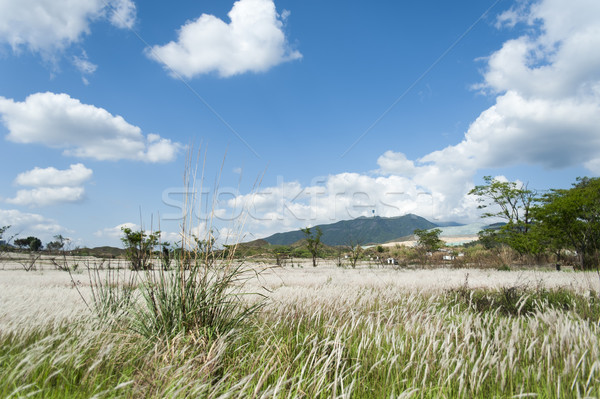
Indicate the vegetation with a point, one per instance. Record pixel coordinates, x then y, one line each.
58 244
139 247
429 240
511 202
313 242
559 220
514 341
3 230
570 219
4 244
191 329
32 243
355 249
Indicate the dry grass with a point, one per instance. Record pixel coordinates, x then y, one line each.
325 332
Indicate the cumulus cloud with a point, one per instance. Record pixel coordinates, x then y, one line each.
253 41
76 175
546 113
52 186
291 205
23 223
116 231
47 26
548 84
81 130
45 196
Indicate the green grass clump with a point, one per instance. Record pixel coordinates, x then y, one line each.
522 301
201 301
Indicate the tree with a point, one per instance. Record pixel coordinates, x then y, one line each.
281 252
139 246
513 202
429 240
571 219
21 243
33 243
4 243
355 248
58 243
3 230
313 242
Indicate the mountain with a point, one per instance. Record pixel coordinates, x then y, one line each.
364 230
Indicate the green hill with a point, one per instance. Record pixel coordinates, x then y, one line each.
364 230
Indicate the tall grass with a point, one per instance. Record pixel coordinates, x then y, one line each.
374 343
200 301
201 294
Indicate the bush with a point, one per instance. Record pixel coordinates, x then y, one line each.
521 301
139 247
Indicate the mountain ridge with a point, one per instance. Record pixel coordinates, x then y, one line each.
362 230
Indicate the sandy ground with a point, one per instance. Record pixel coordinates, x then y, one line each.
49 295
451 240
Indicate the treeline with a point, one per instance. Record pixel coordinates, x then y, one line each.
31 243
557 221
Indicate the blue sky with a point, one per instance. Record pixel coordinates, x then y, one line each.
337 108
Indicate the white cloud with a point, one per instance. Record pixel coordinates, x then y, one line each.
84 66
115 232
76 175
28 223
396 163
548 83
47 26
45 196
290 205
85 131
123 13
52 186
253 41
516 131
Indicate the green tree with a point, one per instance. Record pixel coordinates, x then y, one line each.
570 218
429 240
33 243
512 202
355 248
22 243
281 252
139 247
3 242
313 242
58 243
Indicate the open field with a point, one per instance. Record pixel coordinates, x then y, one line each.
323 332
50 295
449 240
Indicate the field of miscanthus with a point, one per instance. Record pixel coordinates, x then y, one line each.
252 330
